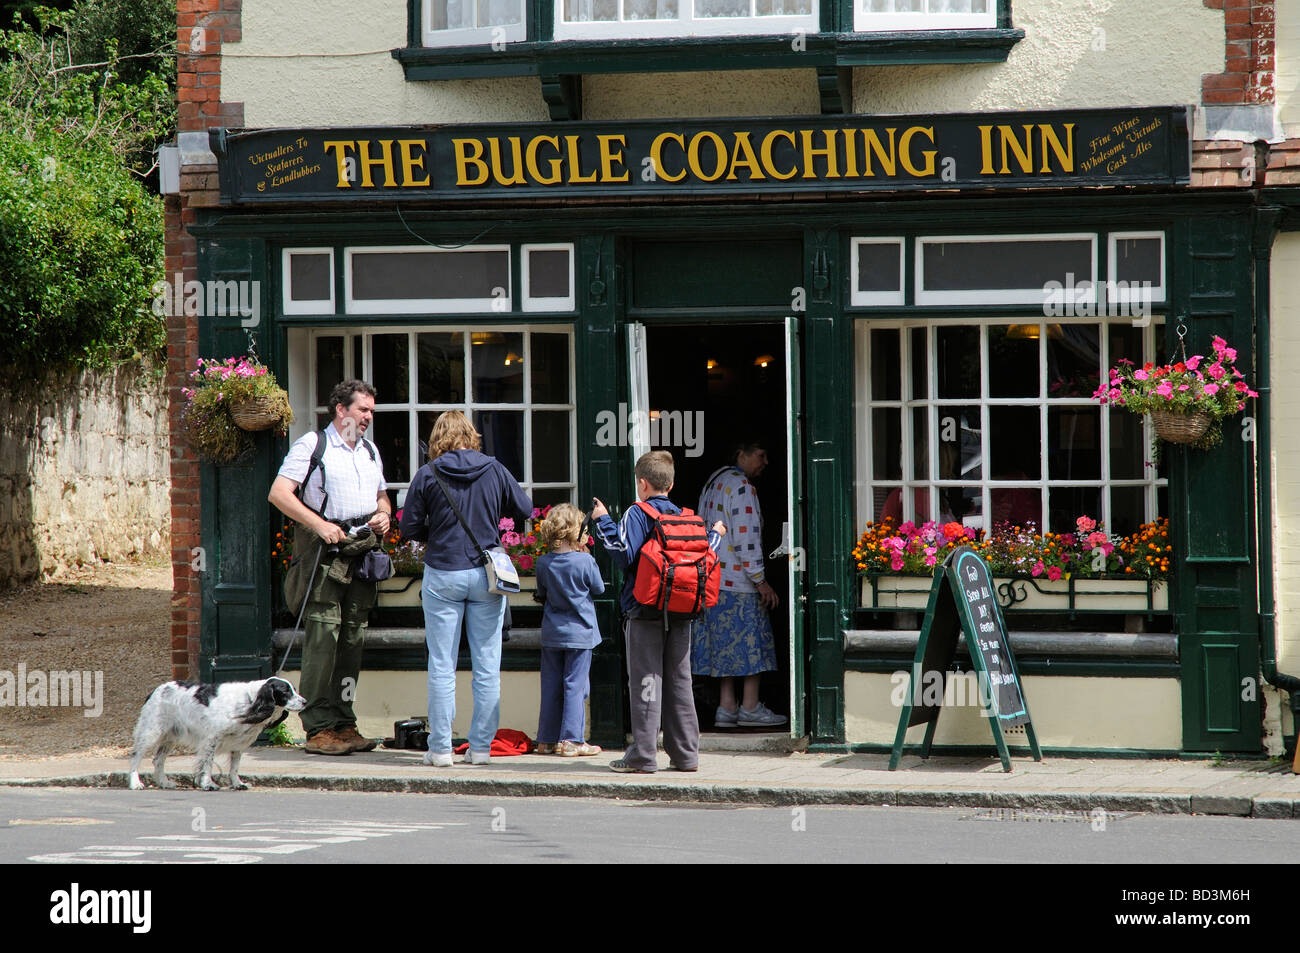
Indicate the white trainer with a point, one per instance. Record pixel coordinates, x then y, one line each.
758 717
438 759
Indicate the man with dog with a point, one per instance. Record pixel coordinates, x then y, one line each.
343 491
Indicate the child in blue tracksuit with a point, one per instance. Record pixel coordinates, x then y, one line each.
567 579
658 661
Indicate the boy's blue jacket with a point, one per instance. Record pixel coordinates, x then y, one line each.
624 542
484 490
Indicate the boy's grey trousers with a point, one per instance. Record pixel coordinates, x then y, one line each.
659 687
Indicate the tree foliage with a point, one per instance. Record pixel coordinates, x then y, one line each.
81 236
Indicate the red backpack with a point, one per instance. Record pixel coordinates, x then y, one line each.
677 573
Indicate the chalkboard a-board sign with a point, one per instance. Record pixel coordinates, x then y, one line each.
962 601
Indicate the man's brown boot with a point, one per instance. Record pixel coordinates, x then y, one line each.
327 742
356 739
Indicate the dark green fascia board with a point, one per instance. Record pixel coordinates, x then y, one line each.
691 53
1077 668
924 212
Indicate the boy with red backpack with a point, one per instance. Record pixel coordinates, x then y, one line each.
670 562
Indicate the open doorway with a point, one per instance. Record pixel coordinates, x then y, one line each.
735 376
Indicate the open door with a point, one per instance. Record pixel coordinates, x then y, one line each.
793 536
638 395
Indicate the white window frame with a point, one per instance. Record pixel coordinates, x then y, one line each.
424 305
472 36
413 407
1127 295
865 21
1005 295
320 306
685 24
531 304
866 484
857 297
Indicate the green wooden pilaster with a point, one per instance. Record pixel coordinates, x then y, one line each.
1212 497
602 471
828 449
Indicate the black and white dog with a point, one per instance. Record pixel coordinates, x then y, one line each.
210 720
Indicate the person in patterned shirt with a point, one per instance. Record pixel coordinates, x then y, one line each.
734 638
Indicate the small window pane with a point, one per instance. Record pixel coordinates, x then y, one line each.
1069 503
329 366
550 370
1013 360
380 276
441 368
921 444
1073 359
1074 443
879 266
1014 443
499 12
549 496
886 368
959 361
503 438
549 273
783 8
424 428
920 365
721 8
391 435
551 447
887 443
1125 342
452 14
1138 260
961 456
1127 446
497 363
1017 505
309 277
1127 509
357 365
587 11
997 265
390 357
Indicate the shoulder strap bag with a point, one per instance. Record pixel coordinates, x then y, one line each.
502 576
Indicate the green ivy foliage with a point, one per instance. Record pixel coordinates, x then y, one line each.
81 236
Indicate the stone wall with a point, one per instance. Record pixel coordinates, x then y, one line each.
84 472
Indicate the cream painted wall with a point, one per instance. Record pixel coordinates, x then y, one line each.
1284 344
386 697
321 62
1287 66
1068 712
1155 52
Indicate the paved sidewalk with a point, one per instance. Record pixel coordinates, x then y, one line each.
1244 789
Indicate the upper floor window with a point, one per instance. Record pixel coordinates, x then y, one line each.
871 16
473 22
617 19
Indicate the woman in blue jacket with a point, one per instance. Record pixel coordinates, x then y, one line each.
455 582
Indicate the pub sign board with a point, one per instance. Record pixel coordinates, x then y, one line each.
962 602
1147 146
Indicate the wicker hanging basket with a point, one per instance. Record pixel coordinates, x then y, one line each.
1181 428
255 413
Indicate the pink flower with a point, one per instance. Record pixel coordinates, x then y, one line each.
1193 362
1053 572
1211 389
1217 371
1096 539
510 538
896 562
907 529
1166 390
506 523
1085 524
526 562
1140 375
1241 386
1037 570
530 539
1184 386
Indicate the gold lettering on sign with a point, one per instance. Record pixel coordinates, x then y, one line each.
747 161
469 152
656 155
828 152
531 158
1011 145
904 144
340 148
608 157
575 163
871 140
766 152
385 161
517 163
719 152
412 163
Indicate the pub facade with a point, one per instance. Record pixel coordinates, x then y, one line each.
897 241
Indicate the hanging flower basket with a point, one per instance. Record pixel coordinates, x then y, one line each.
1181 428
1188 400
226 400
255 413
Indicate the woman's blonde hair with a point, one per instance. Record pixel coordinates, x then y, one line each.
452 431
563 522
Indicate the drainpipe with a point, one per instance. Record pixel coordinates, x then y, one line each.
1268 219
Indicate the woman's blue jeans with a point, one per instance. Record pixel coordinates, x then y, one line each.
448 596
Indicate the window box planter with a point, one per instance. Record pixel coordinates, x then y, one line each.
403 592
1025 593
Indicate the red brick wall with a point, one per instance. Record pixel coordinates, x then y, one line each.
198 82
1248 55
